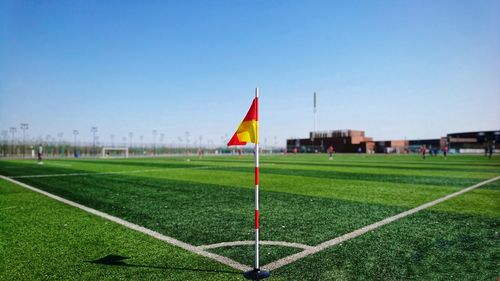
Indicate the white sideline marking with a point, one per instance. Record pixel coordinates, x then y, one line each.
159 236
242 243
292 258
104 173
57 164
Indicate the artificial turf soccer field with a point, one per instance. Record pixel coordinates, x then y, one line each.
305 199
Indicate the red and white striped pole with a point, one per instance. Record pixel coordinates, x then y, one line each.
257 185
256 273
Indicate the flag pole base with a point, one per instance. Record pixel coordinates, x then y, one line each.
256 274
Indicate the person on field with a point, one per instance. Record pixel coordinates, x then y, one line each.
200 153
445 152
492 148
40 154
423 151
331 151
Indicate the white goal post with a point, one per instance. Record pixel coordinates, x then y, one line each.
106 150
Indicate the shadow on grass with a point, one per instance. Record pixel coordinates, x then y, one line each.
117 260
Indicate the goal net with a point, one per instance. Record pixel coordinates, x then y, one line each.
108 152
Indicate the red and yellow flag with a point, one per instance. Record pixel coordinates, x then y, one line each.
248 131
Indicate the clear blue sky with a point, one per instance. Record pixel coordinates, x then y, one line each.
414 69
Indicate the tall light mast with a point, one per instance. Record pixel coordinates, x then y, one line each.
314 110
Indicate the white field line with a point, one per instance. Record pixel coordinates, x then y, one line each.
242 243
57 164
159 236
320 247
104 173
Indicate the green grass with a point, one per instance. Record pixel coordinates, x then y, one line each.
304 198
430 245
41 239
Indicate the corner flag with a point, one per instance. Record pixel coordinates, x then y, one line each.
248 131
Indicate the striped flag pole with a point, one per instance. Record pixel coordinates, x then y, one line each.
256 273
257 189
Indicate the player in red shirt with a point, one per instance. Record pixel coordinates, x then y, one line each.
424 150
445 152
331 151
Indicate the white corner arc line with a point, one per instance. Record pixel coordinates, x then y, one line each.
320 247
248 242
154 234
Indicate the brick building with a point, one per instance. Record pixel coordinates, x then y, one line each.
344 141
351 141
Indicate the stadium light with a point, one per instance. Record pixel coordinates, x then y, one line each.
24 127
93 130
13 131
187 141
142 143
162 138
59 137
155 132
75 133
130 136
4 141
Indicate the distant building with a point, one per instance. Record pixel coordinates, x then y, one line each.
344 141
431 144
470 141
351 141
391 146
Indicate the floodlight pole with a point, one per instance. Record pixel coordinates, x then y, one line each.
187 142
142 144
13 131
256 273
93 130
48 139
4 142
155 132
162 137
24 127
75 133
130 135
199 147
315 115
59 136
